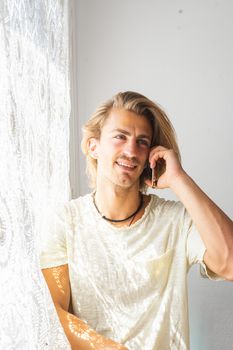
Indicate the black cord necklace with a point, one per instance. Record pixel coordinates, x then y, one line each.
129 217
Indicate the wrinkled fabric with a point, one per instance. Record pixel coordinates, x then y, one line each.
128 283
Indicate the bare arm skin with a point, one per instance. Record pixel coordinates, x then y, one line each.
79 334
214 226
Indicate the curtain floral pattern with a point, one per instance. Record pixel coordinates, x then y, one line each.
34 163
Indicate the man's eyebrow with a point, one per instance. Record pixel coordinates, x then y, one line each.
125 132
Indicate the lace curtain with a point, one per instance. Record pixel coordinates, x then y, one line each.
34 163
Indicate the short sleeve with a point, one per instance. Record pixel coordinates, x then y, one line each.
53 247
195 250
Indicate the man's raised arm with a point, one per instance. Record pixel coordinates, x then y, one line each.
214 226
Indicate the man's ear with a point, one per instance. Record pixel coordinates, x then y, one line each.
92 147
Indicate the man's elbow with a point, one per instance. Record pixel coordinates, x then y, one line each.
222 267
227 269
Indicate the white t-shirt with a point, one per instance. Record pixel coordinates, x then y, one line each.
128 283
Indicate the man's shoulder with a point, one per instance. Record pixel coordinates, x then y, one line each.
80 201
165 205
66 206
80 204
73 209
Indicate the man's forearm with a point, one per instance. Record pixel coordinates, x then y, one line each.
214 226
81 336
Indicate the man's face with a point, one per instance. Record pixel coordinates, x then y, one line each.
123 148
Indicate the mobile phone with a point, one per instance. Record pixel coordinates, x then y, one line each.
154 174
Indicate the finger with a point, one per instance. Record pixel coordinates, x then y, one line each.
158 148
155 156
148 182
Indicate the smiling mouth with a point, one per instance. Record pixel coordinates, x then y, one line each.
126 166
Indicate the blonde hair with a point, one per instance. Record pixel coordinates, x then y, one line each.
163 131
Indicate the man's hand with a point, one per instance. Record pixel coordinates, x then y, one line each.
111 345
173 169
99 342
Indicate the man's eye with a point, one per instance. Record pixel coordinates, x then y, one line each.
143 142
120 136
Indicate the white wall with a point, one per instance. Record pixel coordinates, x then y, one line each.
180 54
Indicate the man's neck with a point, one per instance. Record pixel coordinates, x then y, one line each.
117 203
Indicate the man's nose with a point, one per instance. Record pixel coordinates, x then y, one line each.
130 148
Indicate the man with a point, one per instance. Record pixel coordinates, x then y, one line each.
121 257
